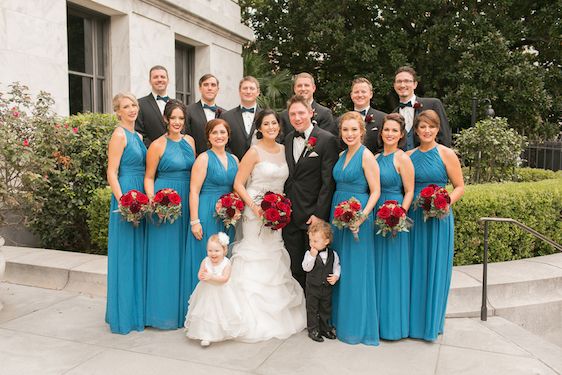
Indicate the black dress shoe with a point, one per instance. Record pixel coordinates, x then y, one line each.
329 334
315 335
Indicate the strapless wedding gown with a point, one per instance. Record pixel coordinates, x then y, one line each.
271 300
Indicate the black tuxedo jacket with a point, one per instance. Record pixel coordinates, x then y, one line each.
322 115
310 184
195 125
444 136
239 141
150 122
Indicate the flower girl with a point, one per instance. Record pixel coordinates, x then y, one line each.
214 312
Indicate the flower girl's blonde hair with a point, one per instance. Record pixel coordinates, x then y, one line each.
221 239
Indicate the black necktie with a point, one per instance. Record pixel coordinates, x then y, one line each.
212 108
163 98
250 110
362 112
299 134
402 105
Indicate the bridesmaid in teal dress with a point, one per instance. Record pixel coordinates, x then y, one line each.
125 248
355 300
212 176
170 158
392 253
431 241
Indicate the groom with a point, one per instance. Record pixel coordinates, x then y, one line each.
311 154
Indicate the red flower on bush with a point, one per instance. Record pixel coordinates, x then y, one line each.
26 142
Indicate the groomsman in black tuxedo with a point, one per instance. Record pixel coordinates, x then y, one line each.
206 109
405 82
241 118
361 95
303 85
150 123
311 154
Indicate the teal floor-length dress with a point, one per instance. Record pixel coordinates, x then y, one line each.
125 248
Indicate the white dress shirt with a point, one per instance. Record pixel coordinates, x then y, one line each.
308 262
408 113
210 115
161 103
299 143
248 118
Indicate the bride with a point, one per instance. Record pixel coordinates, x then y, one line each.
272 301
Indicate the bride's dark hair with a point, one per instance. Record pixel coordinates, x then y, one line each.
259 119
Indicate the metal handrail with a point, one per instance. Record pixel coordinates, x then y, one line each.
486 220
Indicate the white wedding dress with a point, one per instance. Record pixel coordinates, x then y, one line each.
271 300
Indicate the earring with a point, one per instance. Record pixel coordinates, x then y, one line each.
259 134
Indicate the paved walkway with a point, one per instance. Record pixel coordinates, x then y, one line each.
46 331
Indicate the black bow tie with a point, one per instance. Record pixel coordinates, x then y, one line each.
362 112
299 134
164 98
212 108
402 105
250 110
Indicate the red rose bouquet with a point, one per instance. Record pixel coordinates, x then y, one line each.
229 208
133 205
391 218
276 210
434 200
167 205
347 215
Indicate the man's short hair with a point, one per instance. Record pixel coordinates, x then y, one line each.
298 99
303 75
206 77
361 80
407 69
157 67
249 79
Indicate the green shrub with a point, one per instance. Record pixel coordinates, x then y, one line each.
70 164
534 174
535 204
98 219
491 149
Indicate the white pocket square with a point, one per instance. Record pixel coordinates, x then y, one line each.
313 154
375 129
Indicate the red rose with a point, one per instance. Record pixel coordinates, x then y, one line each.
26 142
271 214
392 221
355 206
391 202
158 197
239 205
384 212
270 197
135 207
283 206
230 212
369 118
338 212
265 205
427 205
347 216
175 199
417 105
126 200
427 192
226 201
165 200
312 141
440 202
397 211
142 198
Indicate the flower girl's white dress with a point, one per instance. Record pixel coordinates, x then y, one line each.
214 313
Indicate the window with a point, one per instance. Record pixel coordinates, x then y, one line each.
87 61
184 73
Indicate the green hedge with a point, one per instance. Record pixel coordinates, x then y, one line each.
534 174
98 219
535 204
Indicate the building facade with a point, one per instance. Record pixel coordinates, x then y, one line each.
85 51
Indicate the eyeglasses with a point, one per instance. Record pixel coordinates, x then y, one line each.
401 81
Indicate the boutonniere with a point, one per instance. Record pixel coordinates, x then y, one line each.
311 143
219 111
369 118
418 105
313 118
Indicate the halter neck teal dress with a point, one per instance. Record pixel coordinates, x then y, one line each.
125 248
354 312
392 261
218 181
431 253
166 242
